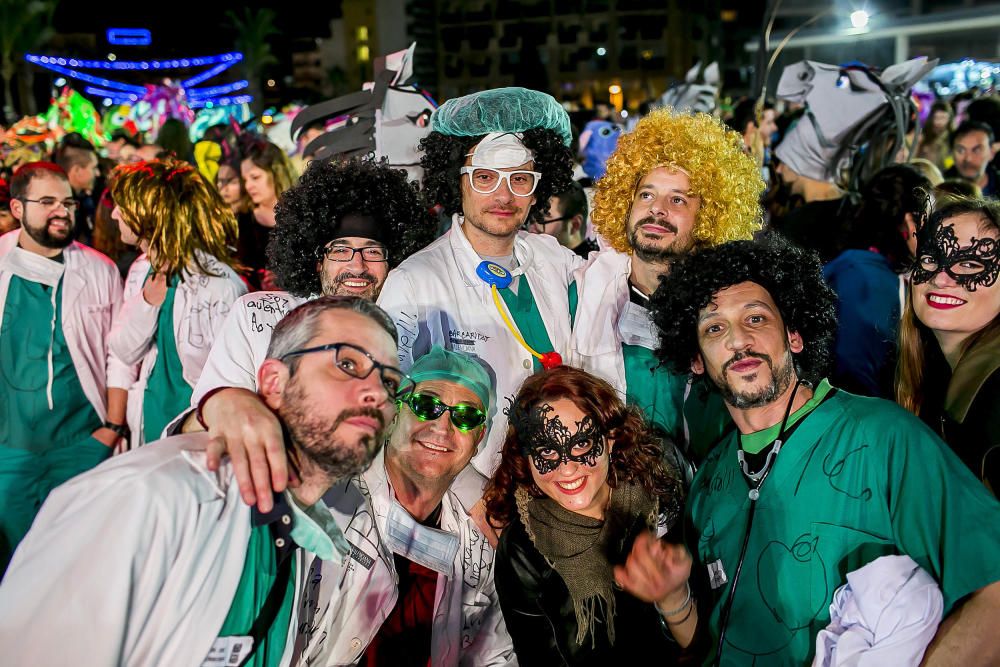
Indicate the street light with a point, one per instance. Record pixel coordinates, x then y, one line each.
859 19
601 51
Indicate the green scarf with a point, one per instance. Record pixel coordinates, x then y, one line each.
578 547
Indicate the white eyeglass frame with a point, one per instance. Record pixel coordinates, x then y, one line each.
502 176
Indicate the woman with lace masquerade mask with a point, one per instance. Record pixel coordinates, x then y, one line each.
950 335
580 489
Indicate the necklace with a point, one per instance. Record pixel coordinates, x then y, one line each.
757 478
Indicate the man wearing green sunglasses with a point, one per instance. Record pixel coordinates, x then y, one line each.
418 560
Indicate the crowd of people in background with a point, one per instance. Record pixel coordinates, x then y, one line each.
706 387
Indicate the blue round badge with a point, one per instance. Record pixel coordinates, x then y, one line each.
494 274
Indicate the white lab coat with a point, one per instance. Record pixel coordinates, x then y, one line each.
135 562
201 304
91 291
436 298
603 294
344 608
241 344
886 614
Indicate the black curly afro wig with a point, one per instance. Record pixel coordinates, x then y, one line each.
442 156
792 276
308 213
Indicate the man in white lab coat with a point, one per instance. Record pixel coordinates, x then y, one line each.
492 161
63 395
676 183
418 588
151 559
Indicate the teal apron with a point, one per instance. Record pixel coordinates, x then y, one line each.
39 448
167 392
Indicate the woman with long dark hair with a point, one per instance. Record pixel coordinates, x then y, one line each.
581 479
949 339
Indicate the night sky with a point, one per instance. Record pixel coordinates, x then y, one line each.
188 27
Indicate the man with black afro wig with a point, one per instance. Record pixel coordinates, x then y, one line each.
816 482
488 287
332 202
337 232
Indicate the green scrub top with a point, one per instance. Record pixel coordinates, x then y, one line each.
167 392
528 319
26 423
857 479
260 570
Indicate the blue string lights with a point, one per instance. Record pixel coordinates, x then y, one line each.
119 92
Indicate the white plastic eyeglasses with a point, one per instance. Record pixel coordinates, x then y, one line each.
486 181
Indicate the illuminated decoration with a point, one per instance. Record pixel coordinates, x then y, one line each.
129 37
218 115
957 77
172 89
120 92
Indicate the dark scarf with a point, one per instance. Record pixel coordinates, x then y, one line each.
578 547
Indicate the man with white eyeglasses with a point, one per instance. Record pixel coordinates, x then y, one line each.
492 161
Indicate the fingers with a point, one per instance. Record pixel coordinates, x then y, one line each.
241 469
277 461
653 569
213 454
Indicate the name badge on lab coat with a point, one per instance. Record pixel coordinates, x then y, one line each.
228 651
636 327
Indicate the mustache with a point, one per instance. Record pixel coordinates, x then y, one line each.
360 412
61 218
740 356
361 275
650 220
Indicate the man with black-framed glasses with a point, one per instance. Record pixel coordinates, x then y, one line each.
338 232
172 567
419 588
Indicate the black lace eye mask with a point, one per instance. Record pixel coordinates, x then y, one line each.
971 267
549 443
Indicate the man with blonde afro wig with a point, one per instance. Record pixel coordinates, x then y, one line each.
675 184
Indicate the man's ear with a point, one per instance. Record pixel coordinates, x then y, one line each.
795 343
576 223
17 209
698 365
272 380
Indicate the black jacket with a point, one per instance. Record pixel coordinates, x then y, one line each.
963 407
539 614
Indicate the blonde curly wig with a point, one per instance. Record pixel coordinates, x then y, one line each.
726 179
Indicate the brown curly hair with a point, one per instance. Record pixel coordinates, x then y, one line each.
726 179
637 456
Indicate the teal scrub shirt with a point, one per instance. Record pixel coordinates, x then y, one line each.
857 479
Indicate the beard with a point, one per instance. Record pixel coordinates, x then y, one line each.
781 378
43 237
334 286
651 252
315 439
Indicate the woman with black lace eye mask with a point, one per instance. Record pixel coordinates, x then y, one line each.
950 335
582 488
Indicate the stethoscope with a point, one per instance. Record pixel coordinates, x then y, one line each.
755 481
499 278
